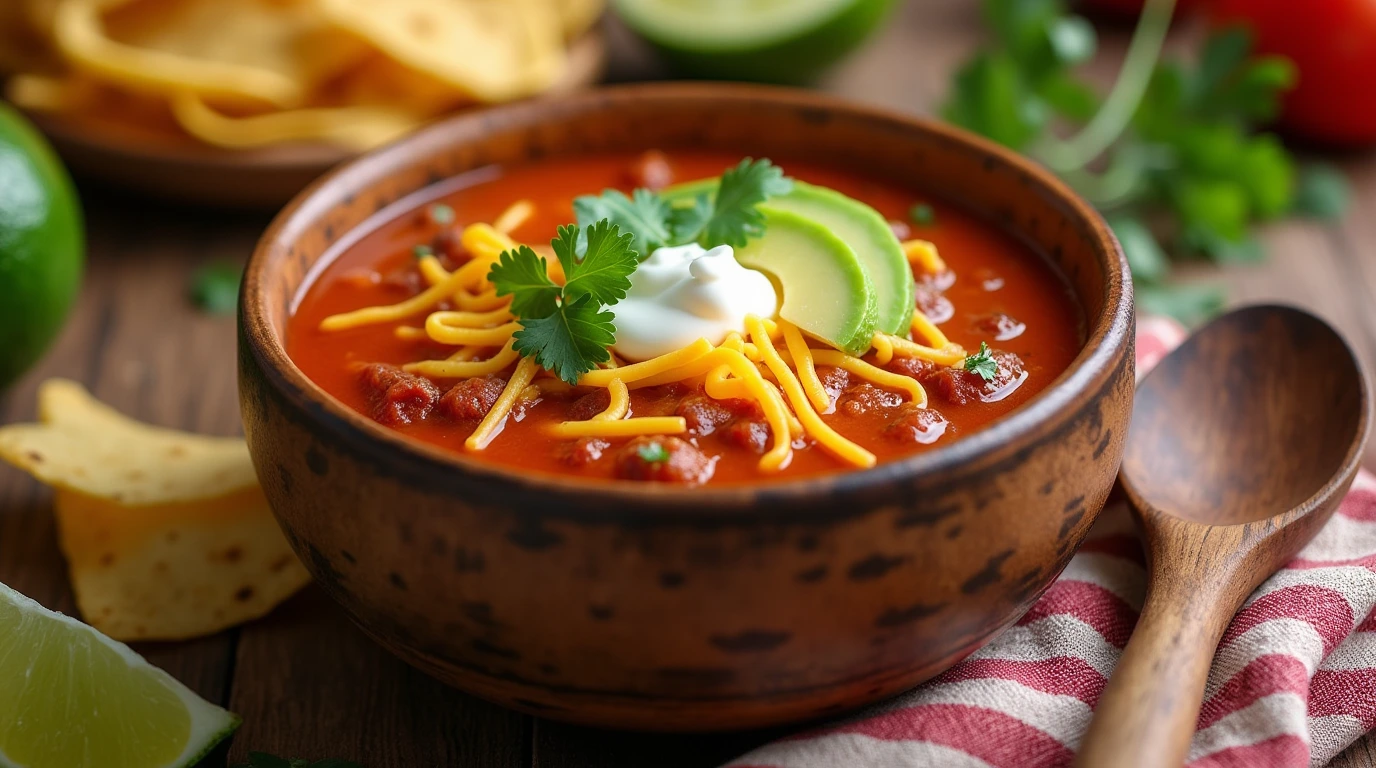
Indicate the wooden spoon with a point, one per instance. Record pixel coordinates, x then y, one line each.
1243 442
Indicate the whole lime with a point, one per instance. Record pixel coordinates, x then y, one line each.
42 245
775 41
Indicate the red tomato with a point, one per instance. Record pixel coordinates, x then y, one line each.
1333 44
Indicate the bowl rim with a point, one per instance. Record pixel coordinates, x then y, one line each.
1109 334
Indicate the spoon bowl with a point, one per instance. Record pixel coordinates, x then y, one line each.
1243 442
1249 419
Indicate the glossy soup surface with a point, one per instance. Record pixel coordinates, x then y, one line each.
994 275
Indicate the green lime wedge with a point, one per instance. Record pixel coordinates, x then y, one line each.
778 41
74 698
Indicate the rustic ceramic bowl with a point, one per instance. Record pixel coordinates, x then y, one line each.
652 607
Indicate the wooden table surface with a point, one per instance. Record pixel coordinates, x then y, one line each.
305 681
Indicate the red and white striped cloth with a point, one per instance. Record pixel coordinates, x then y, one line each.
1293 682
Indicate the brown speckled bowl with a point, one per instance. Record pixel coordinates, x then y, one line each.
653 607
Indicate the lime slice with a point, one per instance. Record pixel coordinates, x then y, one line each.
783 41
74 698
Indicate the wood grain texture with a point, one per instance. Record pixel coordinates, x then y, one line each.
143 251
1245 439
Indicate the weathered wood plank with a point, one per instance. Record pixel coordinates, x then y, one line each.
309 684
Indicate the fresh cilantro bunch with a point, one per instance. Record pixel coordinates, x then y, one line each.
567 329
1172 155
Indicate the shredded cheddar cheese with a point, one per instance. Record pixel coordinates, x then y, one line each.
924 254
802 362
495 419
771 363
819 430
514 216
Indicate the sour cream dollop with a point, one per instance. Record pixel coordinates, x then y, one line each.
686 292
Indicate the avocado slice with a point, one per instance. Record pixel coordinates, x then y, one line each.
826 292
861 227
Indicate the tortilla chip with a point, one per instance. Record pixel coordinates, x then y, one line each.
250 53
167 534
23 47
358 128
578 16
492 50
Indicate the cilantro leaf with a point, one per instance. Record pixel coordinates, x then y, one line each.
735 218
215 288
687 222
1143 252
990 97
1190 304
605 270
982 363
1321 192
566 328
524 276
571 341
655 453
644 215
440 214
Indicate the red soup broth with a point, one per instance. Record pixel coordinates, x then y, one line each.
1000 283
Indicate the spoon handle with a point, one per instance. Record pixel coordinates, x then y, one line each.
1147 713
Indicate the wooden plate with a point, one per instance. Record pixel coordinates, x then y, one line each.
183 169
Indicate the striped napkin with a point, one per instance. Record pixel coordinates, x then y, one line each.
1293 682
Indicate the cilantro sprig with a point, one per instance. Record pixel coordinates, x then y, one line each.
565 328
1171 155
654 453
982 363
731 216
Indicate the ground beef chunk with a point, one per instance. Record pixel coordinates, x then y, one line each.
959 386
663 460
660 401
866 398
589 405
834 380
916 425
912 367
651 170
470 400
404 280
583 451
447 247
703 414
750 434
1000 326
934 304
397 397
